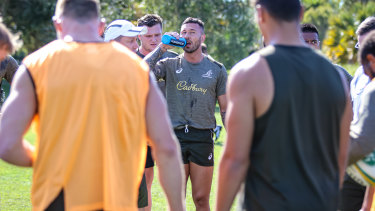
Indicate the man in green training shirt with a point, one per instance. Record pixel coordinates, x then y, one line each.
194 82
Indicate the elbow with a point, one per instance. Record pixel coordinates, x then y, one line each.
233 163
5 151
168 151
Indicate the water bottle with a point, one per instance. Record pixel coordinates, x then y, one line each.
170 40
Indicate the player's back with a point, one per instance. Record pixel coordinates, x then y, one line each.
90 124
295 147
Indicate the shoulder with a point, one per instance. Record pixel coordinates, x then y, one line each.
344 71
218 64
248 72
124 56
169 54
45 52
170 60
370 90
8 62
267 51
249 65
359 72
339 67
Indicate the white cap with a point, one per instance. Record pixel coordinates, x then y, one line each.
122 28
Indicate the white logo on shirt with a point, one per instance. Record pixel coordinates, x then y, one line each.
210 157
179 70
208 74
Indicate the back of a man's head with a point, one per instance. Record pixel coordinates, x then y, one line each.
282 10
368 47
79 10
6 39
366 26
150 20
309 28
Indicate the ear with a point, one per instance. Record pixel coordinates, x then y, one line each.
203 37
101 26
57 24
260 15
371 60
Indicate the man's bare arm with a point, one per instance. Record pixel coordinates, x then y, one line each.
344 131
165 148
153 57
17 114
222 99
344 138
11 69
368 199
235 159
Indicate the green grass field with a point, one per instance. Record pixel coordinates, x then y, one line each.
16 182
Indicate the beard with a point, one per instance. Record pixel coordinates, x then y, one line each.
194 46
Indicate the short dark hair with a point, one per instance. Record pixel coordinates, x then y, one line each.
309 27
368 47
150 20
285 10
194 20
6 38
367 25
80 10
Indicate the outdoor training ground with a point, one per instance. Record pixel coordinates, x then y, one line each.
15 182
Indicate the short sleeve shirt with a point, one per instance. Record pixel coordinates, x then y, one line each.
192 90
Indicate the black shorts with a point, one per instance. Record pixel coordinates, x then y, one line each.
58 204
143 194
197 146
149 160
351 195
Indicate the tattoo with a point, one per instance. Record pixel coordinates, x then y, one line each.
153 57
223 117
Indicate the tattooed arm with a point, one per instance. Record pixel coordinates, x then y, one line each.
153 57
10 69
223 107
222 113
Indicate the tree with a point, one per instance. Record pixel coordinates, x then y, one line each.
318 13
230 29
32 20
337 21
341 38
229 26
